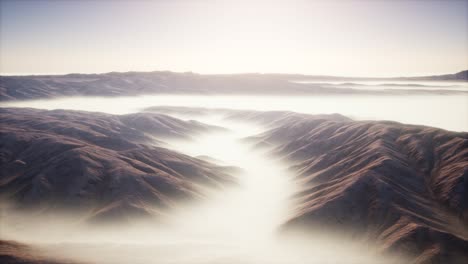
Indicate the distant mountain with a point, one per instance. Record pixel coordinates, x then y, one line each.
143 83
459 76
140 83
99 166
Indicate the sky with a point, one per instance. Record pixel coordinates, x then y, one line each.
346 38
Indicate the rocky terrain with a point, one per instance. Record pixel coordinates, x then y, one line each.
143 83
103 166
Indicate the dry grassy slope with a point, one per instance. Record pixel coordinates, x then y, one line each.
406 185
99 163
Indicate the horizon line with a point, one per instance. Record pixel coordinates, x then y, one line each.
6 74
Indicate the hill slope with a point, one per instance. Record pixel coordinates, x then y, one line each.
405 185
101 165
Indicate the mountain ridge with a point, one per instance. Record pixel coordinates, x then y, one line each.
101 166
164 82
461 75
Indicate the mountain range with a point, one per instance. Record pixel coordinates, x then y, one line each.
164 82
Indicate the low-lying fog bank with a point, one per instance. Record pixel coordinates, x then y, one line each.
321 249
442 111
409 86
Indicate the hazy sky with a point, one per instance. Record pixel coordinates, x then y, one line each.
354 38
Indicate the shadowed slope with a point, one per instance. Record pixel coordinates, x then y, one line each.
99 164
405 185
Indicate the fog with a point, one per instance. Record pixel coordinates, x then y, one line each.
449 112
392 84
